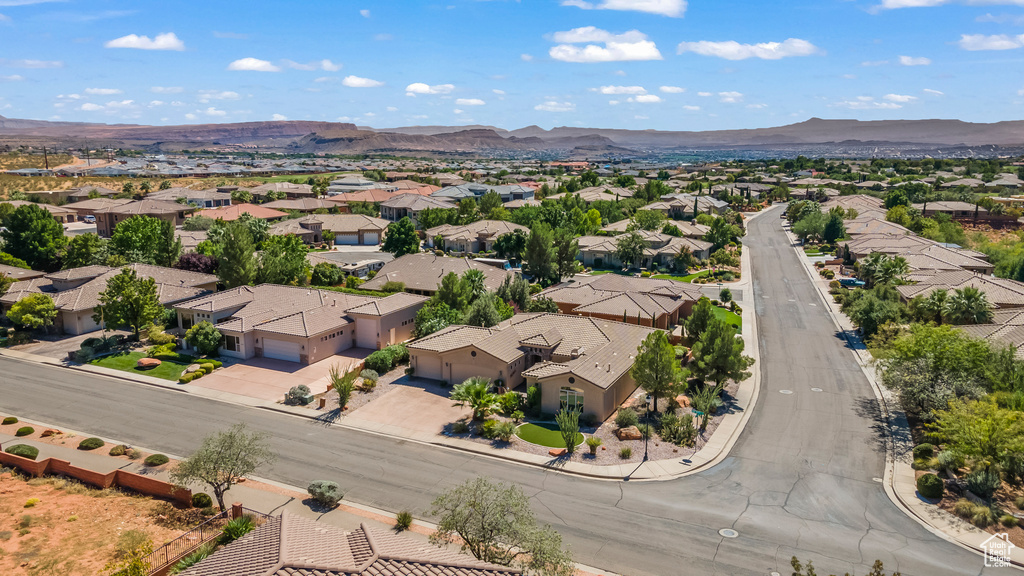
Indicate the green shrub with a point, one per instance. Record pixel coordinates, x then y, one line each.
216 363
380 361
983 517
963 508
1019 502
31 502
237 528
983 483
399 353
118 450
156 460
645 430
192 559
206 367
201 500
85 354
186 378
23 450
517 416
369 375
24 431
593 442
403 520
626 417
460 427
10 420
504 431
487 429
625 452
1009 520
91 444
645 274
510 402
930 486
92 342
924 451
949 460
297 395
325 492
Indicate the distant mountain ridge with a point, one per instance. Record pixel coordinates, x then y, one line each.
336 137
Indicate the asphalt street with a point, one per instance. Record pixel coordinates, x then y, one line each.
798 482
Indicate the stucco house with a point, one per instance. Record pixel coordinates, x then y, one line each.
422 273
348 229
300 324
599 251
410 205
108 218
75 292
642 301
579 362
477 236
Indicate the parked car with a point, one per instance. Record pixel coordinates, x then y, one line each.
851 283
90 219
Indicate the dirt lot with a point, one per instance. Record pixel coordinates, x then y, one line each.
73 530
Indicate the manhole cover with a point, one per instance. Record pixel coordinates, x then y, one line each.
816 390
785 391
728 533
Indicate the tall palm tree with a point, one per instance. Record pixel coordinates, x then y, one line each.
476 393
868 266
474 279
968 306
892 270
935 304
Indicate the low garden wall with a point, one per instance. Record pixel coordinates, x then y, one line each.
115 478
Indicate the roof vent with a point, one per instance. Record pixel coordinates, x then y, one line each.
609 368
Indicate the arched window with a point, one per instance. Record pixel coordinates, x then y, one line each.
570 398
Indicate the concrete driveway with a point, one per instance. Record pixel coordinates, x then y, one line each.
267 379
412 405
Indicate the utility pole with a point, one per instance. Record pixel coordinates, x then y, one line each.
46 159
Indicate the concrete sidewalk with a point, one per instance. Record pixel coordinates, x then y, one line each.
900 477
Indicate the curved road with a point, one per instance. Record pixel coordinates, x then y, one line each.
798 481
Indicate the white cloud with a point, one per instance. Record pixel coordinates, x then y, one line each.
555 106
620 90
167 41
392 109
613 102
364 13
120 104
526 57
691 108
90 107
498 92
325 79
867 103
674 8
5 18
757 106
32 64
620 72
325 65
895 4
469 102
190 116
253 65
704 94
278 117
458 111
645 99
730 97
155 103
1001 19
639 117
211 111
901 98
206 95
976 42
12 78
25 2
329 66
167 89
421 88
629 46
358 82
732 50
914 61
935 92
874 63
102 91
672 89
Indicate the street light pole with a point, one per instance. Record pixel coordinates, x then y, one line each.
647 425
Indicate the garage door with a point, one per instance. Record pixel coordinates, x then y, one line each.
346 239
371 238
366 333
281 350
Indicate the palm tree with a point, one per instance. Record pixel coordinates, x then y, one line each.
474 279
868 266
707 400
935 304
476 392
968 306
892 270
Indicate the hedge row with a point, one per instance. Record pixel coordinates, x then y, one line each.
382 361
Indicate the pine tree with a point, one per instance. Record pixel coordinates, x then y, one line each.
237 263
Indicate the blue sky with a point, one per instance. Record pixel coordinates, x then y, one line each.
640 64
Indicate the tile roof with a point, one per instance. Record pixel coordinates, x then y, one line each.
235 211
147 207
97 203
425 271
337 223
417 202
302 204
19 273
291 545
474 230
1001 292
393 303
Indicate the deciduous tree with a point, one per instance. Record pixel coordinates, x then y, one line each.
718 354
31 234
401 238
33 312
656 368
129 301
223 458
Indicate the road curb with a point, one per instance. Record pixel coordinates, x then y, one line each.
892 418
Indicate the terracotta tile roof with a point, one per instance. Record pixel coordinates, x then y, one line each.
451 338
97 203
480 228
302 204
147 207
417 202
337 223
291 545
18 274
393 303
425 271
235 211
1001 292
548 338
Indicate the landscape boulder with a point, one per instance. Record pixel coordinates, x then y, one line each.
148 363
192 368
683 400
50 432
629 433
557 452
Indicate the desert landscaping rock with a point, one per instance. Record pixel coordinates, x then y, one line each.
629 433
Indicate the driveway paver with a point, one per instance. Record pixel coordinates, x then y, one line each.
411 408
268 379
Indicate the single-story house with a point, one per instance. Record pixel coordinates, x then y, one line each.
1001 292
353 183
688 228
291 545
290 190
680 205
578 362
108 218
19 274
600 251
953 208
410 205
300 324
422 273
477 236
358 264
348 229
507 192
90 206
59 213
920 253
308 205
643 301
235 211
75 292
212 198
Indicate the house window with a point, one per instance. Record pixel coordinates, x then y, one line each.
570 398
231 343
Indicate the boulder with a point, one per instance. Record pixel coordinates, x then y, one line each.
683 400
148 363
557 452
192 368
629 433
50 432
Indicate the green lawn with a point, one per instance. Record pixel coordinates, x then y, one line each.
126 363
687 278
544 434
729 317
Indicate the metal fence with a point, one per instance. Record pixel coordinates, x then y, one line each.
173 551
